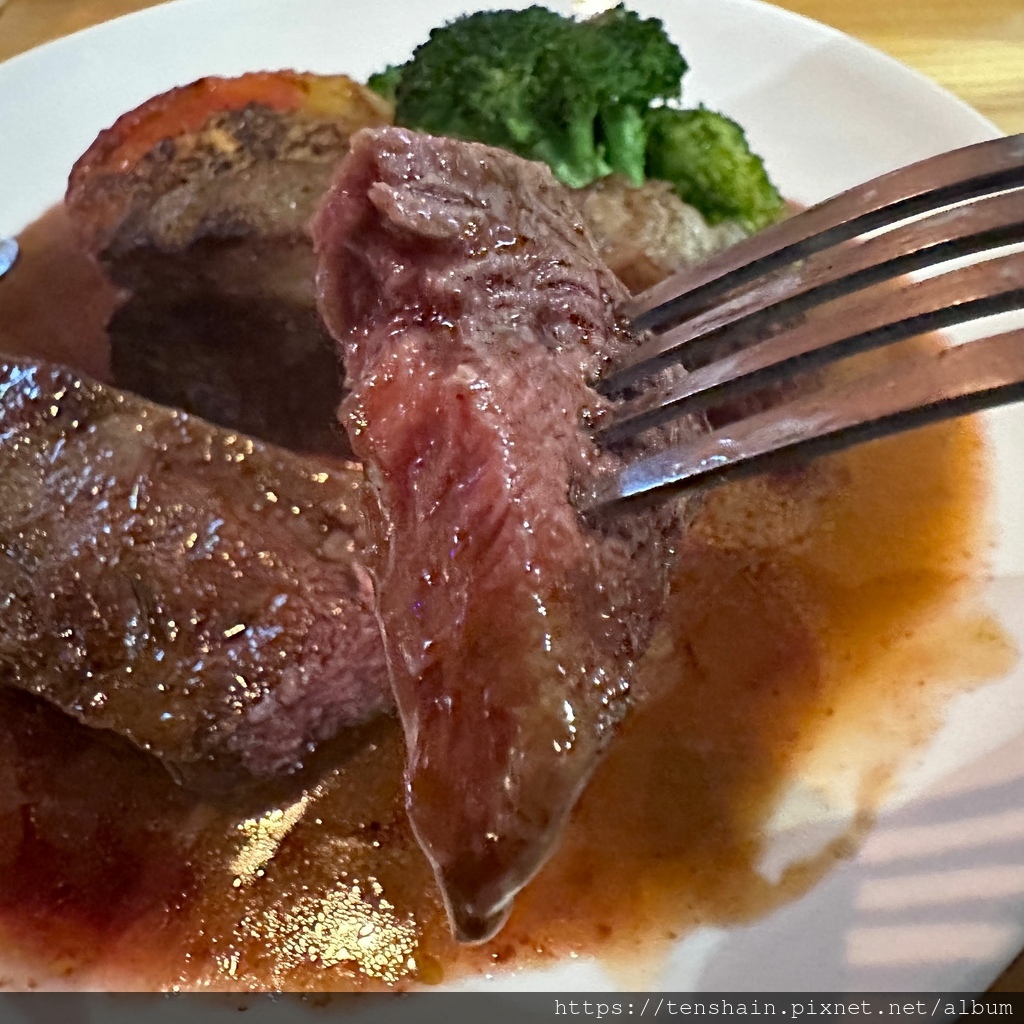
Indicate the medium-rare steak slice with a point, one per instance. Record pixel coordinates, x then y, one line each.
474 314
196 203
187 587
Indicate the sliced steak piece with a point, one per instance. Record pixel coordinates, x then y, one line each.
194 590
474 314
196 204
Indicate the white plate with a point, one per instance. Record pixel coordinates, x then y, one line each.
827 113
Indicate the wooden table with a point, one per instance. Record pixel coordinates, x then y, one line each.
975 48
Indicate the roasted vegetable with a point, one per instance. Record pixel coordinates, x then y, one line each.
384 83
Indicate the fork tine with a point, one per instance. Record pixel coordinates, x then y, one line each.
753 313
928 185
919 389
853 323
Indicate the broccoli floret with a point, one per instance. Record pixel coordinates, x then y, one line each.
599 86
574 94
385 82
708 161
589 98
476 78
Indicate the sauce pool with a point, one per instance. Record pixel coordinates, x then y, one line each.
63 322
810 610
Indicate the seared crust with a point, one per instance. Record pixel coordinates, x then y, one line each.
209 131
196 203
193 590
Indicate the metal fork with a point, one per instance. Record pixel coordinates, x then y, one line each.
802 295
8 246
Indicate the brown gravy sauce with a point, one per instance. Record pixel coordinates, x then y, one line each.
810 609
55 302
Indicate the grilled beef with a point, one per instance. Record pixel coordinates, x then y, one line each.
196 204
194 590
474 315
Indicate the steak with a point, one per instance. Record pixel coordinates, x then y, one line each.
196 204
474 314
189 588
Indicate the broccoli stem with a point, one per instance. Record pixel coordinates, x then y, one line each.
573 154
385 82
625 141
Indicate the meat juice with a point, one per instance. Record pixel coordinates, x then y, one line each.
808 608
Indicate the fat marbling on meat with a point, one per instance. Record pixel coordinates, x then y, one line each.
192 589
474 314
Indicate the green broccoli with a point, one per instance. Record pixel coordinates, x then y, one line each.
385 82
589 98
598 88
573 94
476 78
707 159
626 63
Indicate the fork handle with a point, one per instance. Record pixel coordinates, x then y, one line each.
916 390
